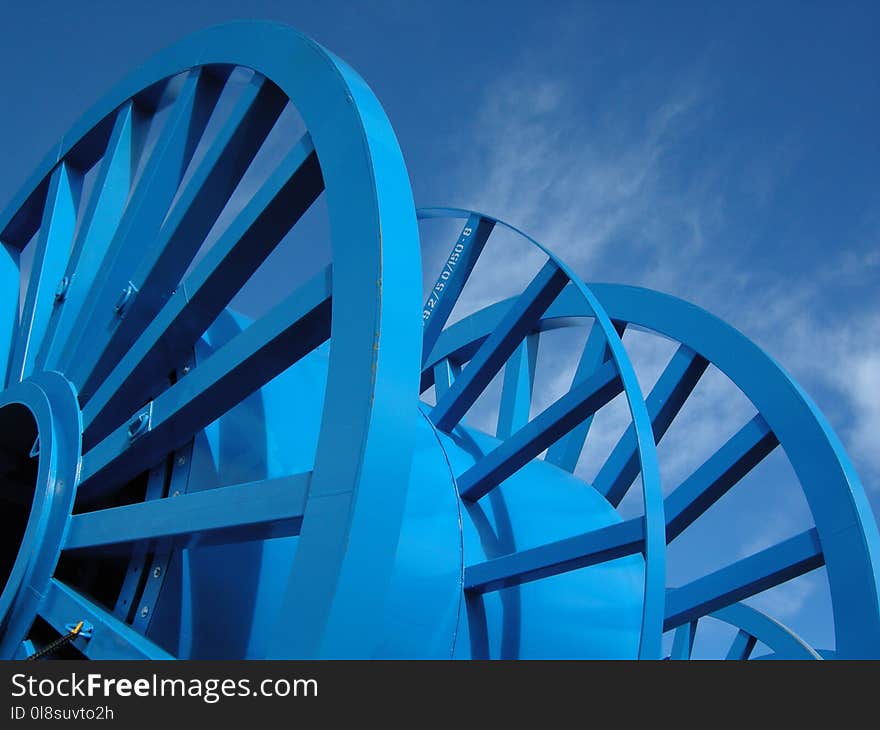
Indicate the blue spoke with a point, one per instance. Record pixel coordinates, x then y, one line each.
598 546
204 193
111 638
516 390
139 554
460 355
742 646
252 511
100 220
518 322
50 258
147 206
545 428
21 219
566 452
243 246
10 276
683 641
717 475
248 361
20 222
746 577
445 373
456 270
664 402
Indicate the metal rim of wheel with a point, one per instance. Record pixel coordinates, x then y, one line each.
108 310
845 538
609 373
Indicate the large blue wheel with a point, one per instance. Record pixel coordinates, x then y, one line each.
101 371
180 480
844 539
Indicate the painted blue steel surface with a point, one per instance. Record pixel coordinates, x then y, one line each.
788 559
53 241
664 401
425 614
94 232
9 274
291 188
517 387
544 618
275 488
683 641
52 402
566 452
845 525
358 489
757 626
539 433
456 271
527 309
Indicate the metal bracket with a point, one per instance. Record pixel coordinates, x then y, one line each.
61 290
125 299
86 630
141 423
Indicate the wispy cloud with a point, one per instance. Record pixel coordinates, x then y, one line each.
788 600
607 190
579 182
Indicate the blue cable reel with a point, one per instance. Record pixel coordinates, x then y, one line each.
184 481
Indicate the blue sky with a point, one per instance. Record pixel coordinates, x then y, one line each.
725 153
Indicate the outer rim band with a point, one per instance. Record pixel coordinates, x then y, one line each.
357 495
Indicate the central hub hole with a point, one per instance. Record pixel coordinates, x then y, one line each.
18 481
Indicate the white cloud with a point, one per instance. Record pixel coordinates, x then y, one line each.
578 183
787 600
860 380
606 193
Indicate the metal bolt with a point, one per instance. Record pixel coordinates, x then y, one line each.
176 494
61 289
144 611
181 461
125 298
186 369
157 572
